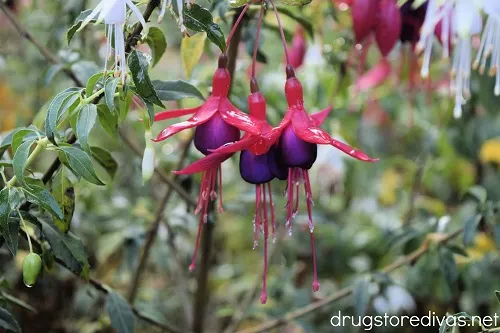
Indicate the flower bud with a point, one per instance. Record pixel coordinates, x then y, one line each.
32 264
148 160
364 17
388 26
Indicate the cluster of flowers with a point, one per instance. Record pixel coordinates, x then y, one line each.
452 22
285 152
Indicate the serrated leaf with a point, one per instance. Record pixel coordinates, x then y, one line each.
104 158
139 67
5 229
296 2
191 51
199 19
157 43
120 313
36 193
361 296
176 90
78 23
56 108
84 124
79 162
64 193
66 248
109 92
21 158
92 82
470 229
107 119
8 321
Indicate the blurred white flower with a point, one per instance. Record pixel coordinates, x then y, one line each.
114 15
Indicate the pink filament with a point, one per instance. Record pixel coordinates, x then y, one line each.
207 193
307 188
263 296
271 203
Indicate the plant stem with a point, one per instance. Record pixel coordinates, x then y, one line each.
283 39
25 230
41 144
256 45
93 96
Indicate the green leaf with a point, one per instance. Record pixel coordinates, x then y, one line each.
78 23
176 90
296 2
107 119
64 193
17 301
470 229
305 23
238 3
37 193
157 43
458 250
52 72
66 248
497 294
361 296
138 63
24 134
84 124
448 266
478 193
191 51
149 108
109 92
120 313
5 228
91 83
56 108
199 19
104 158
8 321
20 160
79 162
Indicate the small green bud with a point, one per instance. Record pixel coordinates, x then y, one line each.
32 265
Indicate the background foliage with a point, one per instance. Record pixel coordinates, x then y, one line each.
381 228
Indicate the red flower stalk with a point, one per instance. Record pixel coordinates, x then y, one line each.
217 122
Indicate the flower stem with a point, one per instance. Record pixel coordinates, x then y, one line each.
93 96
41 144
256 45
235 26
25 230
283 39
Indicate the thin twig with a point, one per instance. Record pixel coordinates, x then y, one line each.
153 230
406 260
43 50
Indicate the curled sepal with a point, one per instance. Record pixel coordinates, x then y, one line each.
236 146
164 115
352 152
375 76
236 118
320 116
206 163
305 129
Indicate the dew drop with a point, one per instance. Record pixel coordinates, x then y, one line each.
28 285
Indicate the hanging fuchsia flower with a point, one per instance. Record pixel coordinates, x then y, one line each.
388 27
298 49
217 122
298 147
364 18
412 20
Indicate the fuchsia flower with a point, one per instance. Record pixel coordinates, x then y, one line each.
217 122
380 17
298 49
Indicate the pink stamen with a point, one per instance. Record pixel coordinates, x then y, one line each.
193 260
273 218
297 189
221 207
256 225
263 296
307 188
289 204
